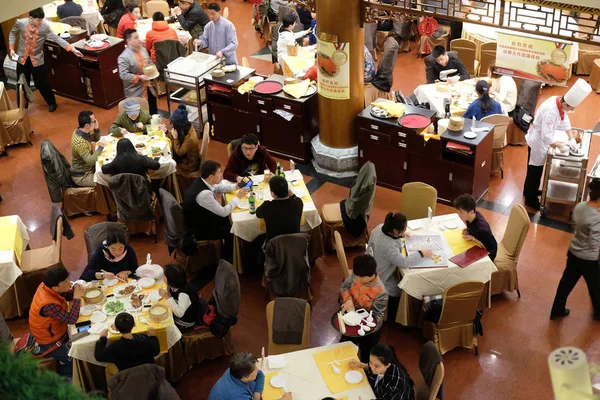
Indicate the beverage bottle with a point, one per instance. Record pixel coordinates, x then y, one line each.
252 202
278 169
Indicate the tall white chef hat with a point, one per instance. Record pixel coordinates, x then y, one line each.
577 93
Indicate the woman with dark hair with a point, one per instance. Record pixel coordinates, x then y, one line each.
112 11
128 19
114 258
128 161
388 378
184 141
484 105
385 245
181 297
582 257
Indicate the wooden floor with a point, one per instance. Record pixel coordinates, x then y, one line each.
512 361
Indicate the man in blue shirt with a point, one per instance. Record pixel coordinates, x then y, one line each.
242 381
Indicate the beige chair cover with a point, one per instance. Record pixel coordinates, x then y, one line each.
501 122
509 249
153 6
202 345
416 198
595 75
487 54
143 103
422 391
467 53
341 255
79 200
15 126
455 327
274 348
332 222
427 42
373 93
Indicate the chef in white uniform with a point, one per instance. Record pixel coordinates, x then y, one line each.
550 117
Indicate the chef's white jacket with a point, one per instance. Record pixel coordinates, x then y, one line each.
541 132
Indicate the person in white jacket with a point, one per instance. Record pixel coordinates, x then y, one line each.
503 87
287 37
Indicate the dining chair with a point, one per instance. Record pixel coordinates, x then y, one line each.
363 188
467 53
15 126
509 250
595 75
94 235
501 121
487 54
341 255
417 198
226 13
202 344
455 325
245 62
153 6
275 348
431 368
204 143
143 104
287 269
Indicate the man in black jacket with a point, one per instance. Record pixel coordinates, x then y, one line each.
192 17
439 60
282 215
69 9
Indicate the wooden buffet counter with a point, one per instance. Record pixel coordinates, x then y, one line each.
93 79
402 155
233 114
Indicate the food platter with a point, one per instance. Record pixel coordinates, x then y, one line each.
113 307
378 112
127 289
268 87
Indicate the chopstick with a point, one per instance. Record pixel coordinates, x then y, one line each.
122 280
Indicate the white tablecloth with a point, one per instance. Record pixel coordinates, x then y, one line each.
143 26
90 13
9 267
247 226
305 380
421 282
168 166
489 34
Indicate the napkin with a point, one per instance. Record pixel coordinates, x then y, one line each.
394 109
297 89
276 362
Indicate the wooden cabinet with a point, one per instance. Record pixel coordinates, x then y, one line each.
234 115
402 155
93 79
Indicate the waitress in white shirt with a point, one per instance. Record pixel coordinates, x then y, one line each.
287 37
550 117
504 89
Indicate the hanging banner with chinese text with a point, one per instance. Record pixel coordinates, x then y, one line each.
544 60
334 69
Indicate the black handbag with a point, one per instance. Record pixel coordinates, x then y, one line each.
522 118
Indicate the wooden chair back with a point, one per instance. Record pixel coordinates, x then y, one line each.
274 348
341 255
467 53
416 198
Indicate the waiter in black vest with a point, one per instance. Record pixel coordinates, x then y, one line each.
204 213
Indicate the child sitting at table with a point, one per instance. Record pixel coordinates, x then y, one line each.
364 289
386 375
181 297
478 229
132 349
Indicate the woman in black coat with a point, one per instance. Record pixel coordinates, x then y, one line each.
115 256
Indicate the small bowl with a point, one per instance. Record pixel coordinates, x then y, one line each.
218 73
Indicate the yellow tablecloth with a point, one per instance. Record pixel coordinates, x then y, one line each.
336 382
456 241
166 331
270 392
13 240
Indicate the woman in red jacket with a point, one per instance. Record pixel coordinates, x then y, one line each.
160 31
128 20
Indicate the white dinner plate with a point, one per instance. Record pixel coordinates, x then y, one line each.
450 225
154 296
353 377
121 287
97 317
96 329
110 282
88 309
147 282
300 192
470 135
278 381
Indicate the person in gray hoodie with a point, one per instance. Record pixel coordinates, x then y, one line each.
583 254
385 245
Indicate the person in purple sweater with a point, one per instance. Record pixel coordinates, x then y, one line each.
114 256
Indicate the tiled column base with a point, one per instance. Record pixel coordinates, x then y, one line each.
337 163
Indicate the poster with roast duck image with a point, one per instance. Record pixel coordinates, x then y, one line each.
333 62
543 60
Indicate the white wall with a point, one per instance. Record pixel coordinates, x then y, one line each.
12 8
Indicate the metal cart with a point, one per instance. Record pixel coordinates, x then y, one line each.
187 75
565 177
